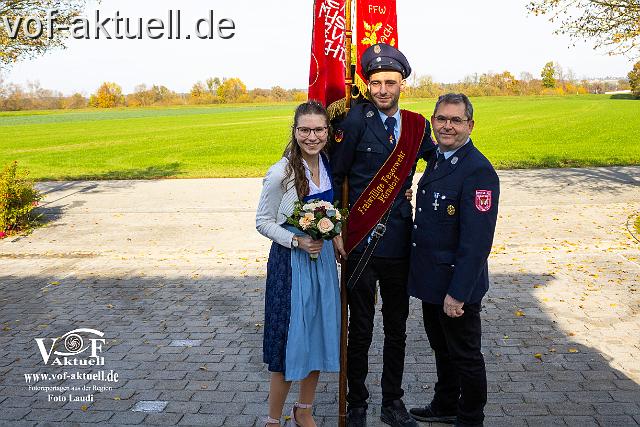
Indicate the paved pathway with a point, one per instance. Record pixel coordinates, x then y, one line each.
153 263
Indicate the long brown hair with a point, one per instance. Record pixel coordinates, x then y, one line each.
293 152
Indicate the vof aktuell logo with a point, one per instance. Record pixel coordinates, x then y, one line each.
79 351
79 348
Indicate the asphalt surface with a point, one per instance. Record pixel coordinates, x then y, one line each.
172 273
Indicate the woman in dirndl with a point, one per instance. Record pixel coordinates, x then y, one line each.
302 298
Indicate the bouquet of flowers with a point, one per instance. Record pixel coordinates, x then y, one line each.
318 219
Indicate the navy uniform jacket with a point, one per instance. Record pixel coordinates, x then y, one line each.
452 241
363 150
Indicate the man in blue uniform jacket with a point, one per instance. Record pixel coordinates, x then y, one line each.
365 141
457 208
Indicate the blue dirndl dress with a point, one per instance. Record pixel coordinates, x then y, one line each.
302 309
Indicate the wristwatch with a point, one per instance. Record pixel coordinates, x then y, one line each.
294 242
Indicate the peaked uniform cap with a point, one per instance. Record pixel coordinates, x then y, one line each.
383 57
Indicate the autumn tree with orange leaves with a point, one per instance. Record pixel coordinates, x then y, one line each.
634 80
231 90
108 95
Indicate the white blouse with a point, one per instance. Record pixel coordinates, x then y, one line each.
325 181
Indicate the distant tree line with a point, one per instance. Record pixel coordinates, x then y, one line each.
552 80
214 90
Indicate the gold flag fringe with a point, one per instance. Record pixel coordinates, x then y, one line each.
362 86
337 108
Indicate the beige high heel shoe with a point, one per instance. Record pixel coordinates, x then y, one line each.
269 420
293 412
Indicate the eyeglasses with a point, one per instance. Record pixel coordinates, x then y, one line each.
306 132
455 121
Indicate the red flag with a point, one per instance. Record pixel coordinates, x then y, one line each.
328 56
377 22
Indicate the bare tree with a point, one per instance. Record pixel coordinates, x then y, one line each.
526 76
559 72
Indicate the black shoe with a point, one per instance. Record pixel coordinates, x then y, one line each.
396 415
357 417
427 414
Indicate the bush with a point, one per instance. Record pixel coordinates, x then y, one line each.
75 101
300 96
18 199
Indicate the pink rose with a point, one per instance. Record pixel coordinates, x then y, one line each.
3 234
325 225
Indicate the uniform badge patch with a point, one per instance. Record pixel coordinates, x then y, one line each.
483 200
339 135
369 114
451 210
377 49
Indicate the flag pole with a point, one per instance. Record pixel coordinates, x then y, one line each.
348 82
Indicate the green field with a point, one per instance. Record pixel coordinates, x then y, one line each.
243 140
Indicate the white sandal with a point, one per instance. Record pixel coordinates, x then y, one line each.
293 410
269 420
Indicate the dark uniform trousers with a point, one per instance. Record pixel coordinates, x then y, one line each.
462 380
392 274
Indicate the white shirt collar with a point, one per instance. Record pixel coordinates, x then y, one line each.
397 116
325 181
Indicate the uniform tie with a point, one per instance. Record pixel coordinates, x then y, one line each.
439 159
390 124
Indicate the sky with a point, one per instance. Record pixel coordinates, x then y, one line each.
444 40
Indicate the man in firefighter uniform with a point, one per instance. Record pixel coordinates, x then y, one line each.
456 212
369 139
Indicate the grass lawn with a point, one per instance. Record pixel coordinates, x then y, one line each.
244 140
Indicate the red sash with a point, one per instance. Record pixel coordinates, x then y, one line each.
383 189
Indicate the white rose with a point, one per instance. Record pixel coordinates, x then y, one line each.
325 225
